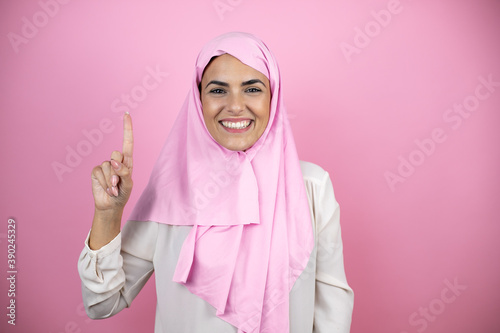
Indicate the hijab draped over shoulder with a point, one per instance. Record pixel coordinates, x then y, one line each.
251 233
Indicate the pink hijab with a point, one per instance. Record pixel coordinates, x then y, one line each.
252 233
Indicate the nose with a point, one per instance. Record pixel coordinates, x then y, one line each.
236 104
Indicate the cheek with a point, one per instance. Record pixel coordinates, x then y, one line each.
264 111
209 111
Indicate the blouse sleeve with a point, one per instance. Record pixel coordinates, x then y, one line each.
113 275
334 298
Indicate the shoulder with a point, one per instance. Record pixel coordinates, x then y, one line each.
313 173
318 184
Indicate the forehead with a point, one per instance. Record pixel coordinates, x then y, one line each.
230 68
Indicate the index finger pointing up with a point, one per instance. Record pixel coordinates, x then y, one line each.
128 140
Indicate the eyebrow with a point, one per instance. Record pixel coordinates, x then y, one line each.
245 83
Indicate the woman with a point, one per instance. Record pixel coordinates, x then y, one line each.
237 242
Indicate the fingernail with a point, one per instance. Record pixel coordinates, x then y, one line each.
108 191
126 112
114 180
115 165
115 191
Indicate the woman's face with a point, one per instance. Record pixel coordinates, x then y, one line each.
236 99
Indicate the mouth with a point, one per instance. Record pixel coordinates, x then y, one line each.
236 125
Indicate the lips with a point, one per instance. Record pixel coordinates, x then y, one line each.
234 120
236 125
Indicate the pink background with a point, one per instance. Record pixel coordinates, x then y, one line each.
353 114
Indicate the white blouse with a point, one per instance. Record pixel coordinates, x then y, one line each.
320 301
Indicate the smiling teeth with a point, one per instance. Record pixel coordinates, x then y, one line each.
238 125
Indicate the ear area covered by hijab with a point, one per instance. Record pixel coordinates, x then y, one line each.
252 232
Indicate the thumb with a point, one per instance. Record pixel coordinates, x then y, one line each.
121 170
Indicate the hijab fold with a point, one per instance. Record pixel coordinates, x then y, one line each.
252 233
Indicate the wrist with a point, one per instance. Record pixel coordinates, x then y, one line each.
105 226
108 214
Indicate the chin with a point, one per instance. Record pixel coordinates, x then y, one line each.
236 147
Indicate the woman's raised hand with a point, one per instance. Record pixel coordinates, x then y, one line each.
112 180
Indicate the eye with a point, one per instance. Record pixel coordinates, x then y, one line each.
217 91
253 90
